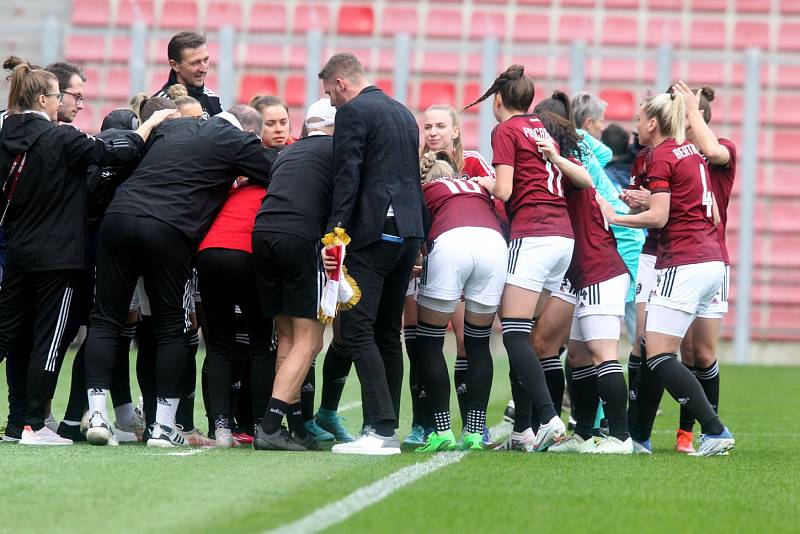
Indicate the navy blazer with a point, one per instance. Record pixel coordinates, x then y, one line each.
376 163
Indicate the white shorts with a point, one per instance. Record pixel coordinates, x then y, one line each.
599 310
413 287
537 263
645 278
591 327
565 292
468 260
682 293
719 305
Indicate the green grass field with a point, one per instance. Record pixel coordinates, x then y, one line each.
135 489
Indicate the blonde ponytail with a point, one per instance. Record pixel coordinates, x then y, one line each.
669 110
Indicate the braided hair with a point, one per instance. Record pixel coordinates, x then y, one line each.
515 88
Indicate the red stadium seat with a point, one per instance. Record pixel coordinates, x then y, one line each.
252 84
664 31
622 4
470 133
120 51
788 76
535 66
472 91
579 3
738 74
786 111
439 92
709 5
783 321
264 55
440 63
487 24
784 251
530 28
753 6
474 62
356 20
298 56
707 34
118 84
621 104
666 5
91 87
399 20
85 121
706 73
91 13
130 11
790 7
622 31
86 48
295 91
311 17
784 181
219 14
179 14
444 23
784 146
268 17
752 34
364 55
575 28
619 70
789 37
535 2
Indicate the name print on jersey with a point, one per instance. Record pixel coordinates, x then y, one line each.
685 151
535 133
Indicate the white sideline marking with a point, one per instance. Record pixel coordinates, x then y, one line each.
366 496
190 452
349 406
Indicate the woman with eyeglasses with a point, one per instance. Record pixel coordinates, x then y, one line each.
43 171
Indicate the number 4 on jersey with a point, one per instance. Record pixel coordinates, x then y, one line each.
708 198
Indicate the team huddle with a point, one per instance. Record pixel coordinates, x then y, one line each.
180 219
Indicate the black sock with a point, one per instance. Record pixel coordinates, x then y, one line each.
523 407
644 407
522 358
709 380
584 399
207 397
460 381
335 369
478 374
307 393
686 420
568 381
634 364
554 376
384 428
294 417
221 421
432 370
121 378
273 417
685 389
414 376
614 395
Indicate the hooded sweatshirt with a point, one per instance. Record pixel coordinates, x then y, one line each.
44 202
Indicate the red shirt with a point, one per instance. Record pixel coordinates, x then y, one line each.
639 178
475 165
689 235
537 206
457 203
595 258
233 226
722 177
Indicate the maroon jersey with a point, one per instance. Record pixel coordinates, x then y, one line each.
537 206
475 165
722 177
639 178
457 203
689 235
595 257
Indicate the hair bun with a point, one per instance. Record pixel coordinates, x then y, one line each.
177 91
708 93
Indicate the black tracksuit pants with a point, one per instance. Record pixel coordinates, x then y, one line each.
132 246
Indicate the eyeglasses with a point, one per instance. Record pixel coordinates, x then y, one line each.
78 98
59 95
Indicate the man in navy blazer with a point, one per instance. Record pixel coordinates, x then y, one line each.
378 200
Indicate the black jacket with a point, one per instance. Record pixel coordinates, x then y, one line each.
376 160
45 221
208 99
189 168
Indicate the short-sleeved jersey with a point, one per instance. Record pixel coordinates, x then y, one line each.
457 203
595 258
537 207
722 178
475 165
689 235
639 178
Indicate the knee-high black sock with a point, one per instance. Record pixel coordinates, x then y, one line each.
207 396
433 373
523 406
334 375
77 392
613 394
294 417
709 380
554 376
478 375
568 381
685 389
307 391
648 397
460 382
415 383
516 338
634 364
686 419
584 399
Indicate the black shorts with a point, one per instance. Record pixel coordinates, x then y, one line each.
289 274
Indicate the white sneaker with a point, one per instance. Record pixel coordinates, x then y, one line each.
164 437
43 436
223 438
51 423
100 432
713 445
195 438
370 443
549 433
87 416
518 441
612 445
573 443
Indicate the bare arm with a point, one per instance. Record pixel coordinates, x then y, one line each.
655 216
707 142
577 174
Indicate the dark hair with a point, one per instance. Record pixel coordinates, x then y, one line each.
616 138
64 72
556 115
27 84
515 89
260 102
12 61
249 118
183 40
151 105
342 65
706 97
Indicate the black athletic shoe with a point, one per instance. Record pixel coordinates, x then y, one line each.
309 442
509 413
13 433
277 441
72 432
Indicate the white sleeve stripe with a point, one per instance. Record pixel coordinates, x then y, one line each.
479 157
